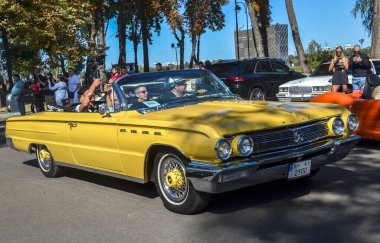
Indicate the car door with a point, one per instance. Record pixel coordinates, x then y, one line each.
93 140
263 77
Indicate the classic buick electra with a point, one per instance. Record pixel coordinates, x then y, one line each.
189 135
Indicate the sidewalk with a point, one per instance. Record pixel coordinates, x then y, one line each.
4 116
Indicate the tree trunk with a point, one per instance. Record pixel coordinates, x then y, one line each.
375 43
135 49
7 56
296 37
145 36
101 43
198 46
182 51
181 41
62 64
193 46
121 29
258 40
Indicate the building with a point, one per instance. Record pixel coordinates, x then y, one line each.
277 42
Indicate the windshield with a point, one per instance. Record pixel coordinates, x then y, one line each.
159 89
322 70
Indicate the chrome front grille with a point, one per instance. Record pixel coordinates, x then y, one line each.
289 137
299 90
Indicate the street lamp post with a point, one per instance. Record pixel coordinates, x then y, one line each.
246 17
176 57
237 30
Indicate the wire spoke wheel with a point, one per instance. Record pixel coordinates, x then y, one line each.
172 179
44 159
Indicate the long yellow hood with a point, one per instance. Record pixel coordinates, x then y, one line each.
231 117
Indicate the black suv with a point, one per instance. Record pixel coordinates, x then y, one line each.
255 79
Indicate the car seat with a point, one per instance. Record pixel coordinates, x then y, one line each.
372 81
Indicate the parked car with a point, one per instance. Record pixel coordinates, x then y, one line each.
319 82
254 79
205 142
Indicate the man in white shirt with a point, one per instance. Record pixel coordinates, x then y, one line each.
74 85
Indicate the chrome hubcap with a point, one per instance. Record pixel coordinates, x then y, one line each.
257 94
44 159
172 179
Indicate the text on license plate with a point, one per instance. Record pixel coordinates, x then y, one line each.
299 169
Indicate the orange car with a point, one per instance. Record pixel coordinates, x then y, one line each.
368 111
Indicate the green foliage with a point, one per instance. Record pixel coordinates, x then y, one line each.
365 8
315 56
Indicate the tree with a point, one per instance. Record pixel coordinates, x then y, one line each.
175 16
369 11
47 27
296 37
253 9
201 15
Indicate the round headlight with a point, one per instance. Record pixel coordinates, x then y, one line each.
245 146
338 126
352 122
223 149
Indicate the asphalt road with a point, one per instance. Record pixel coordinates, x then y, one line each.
340 204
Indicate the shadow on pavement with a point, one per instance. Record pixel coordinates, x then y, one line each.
145 190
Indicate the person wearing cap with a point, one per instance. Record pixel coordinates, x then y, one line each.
178 89
158 66
87 94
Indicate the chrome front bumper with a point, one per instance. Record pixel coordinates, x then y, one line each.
259 169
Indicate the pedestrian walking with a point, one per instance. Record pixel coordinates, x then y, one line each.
60 90
361 67
339 66
74 85
18 92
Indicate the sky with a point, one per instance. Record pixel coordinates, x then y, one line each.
329 22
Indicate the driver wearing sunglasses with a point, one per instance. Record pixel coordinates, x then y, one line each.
142 95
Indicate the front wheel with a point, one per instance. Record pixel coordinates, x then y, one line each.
175 189
46 163
257 94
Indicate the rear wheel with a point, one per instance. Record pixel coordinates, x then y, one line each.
46 163
257 94
176 191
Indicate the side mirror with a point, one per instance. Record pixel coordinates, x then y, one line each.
104 111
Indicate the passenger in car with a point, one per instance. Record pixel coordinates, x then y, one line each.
142 95
87 94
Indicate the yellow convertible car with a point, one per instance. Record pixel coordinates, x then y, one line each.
186 132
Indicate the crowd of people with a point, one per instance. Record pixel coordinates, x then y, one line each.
68 90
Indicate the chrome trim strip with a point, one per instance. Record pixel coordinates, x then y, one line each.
101 172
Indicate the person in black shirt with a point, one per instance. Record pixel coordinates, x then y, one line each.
142 95
339 66
361 67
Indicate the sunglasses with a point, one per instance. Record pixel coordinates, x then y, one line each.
338 51
143 92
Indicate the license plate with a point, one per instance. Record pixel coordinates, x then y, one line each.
287 99
299 169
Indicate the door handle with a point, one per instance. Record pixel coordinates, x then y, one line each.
72 124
